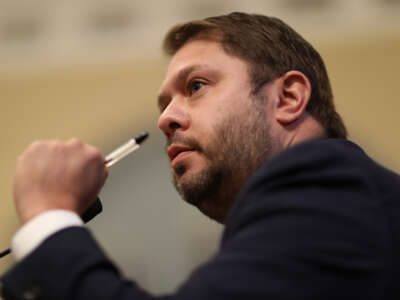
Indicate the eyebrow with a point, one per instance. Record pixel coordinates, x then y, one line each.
179 78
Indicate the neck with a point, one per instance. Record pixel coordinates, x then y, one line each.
304 129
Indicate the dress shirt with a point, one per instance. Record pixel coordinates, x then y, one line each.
34 232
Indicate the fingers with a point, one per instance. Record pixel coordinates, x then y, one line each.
58 175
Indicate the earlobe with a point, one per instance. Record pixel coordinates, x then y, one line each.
294 94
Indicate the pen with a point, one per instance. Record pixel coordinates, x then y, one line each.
115 156
130 146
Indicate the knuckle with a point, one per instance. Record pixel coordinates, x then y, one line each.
75 142
34 147
96 155
35 144
55 144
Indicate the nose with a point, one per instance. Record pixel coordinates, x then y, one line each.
173 118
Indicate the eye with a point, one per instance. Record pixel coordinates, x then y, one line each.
195 86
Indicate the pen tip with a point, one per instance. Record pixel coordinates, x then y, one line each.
141 137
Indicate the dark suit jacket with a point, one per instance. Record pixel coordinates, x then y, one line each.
320 220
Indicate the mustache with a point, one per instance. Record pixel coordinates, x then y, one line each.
190 142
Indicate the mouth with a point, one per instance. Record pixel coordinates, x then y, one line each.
175 151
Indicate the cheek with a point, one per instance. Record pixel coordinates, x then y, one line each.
210 115
203 124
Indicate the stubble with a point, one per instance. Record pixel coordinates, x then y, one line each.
240 143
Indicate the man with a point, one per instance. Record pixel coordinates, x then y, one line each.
255 143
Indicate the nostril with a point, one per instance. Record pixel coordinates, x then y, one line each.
173 125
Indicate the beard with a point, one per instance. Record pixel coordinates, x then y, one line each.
238 145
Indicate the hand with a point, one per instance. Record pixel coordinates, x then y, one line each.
57 175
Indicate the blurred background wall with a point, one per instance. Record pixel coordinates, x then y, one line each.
91 69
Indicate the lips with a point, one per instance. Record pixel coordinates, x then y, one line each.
174 150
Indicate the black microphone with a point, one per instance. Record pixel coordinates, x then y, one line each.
92 211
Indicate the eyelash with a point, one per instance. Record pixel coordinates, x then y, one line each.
192 84
188 90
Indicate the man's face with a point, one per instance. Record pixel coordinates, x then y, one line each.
216 130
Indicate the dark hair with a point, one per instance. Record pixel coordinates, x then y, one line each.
271 48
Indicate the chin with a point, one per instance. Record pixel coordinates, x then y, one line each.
188 171
214 214
202 188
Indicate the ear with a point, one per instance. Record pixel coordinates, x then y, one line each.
294 94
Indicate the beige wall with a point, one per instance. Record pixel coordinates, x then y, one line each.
104 105
365 76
